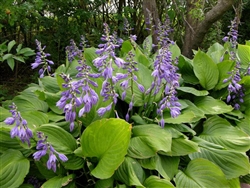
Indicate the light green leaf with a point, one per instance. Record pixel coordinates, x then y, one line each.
4 113
19 58
188 115
147 45
205 70
58 181
35 118
234 183
28 101
201 173
130 172
181 145
147 140
176 52
14 168
166 166
26 52
11 44
11 63
61 140
107 140
244 55
193 91
221 132
232 163
7 56
216 51
155 181
209 105
244 125
50 84
224 68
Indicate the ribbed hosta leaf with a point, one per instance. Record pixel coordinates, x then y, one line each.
14 168
221 132
107 141
232 163
201 173
155 181
147 140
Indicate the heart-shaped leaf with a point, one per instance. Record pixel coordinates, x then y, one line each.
107 140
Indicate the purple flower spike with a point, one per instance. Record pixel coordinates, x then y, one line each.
21 129
45 147
235 90
41 59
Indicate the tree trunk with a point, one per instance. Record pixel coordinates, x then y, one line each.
195 30
150 5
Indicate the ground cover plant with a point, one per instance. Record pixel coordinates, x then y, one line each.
122 116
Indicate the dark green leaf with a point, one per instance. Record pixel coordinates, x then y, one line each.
58 181
11 44
154 181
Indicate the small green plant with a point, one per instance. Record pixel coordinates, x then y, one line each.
12 58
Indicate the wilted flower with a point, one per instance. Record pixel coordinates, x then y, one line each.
21 129
44 147
41 59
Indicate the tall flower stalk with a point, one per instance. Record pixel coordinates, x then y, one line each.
235 90
166 78
105 65
41 59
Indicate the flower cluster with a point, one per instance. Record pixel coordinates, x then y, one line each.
104 64
165 75
41 59
73 51
235 90
44 147
232 35
78 92
129 79
21 129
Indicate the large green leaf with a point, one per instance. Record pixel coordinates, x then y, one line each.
11 44
181 145
244 125
14 168
155 181
224 68
166 166
221 132
130 172
28 101
244 55
205 70
58 181
60 139
74 162
201 173
35 118
193 91
4 113
232 163
147 140
107 183
209 105
216 51
6 142
107 140
50 84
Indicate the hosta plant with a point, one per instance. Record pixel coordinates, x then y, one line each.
122 116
